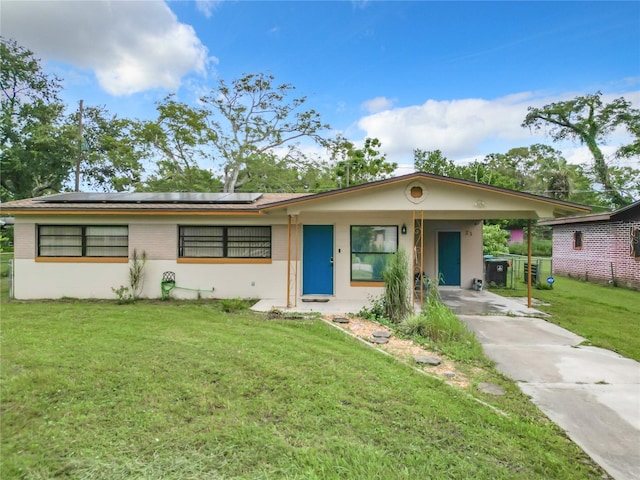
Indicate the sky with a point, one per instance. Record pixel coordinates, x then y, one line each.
454 76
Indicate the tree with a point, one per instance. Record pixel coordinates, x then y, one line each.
432 161
178 141
509 170
355 166
494 240
270 173
589 121
36 152
252 117
110 153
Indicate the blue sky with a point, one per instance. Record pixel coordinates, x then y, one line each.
457 76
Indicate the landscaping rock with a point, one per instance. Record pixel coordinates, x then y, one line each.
379 340
425 360
491 389
341 320
381 334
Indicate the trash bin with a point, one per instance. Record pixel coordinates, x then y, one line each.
496 271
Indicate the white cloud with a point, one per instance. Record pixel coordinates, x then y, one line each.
378 104
130 46
468 127
207 7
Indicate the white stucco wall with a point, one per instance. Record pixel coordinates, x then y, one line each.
157 237
34 280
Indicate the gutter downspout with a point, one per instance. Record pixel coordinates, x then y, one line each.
288 261
529 263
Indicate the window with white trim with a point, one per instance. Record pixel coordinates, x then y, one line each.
371 248
224 241
83 241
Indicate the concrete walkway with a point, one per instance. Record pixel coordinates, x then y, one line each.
591 393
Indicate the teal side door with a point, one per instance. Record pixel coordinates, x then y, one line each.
449 258
317 260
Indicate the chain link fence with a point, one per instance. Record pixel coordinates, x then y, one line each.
6 274
516 275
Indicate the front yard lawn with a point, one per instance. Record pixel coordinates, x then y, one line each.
606 316
183 391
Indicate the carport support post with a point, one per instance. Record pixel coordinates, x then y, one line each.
529 263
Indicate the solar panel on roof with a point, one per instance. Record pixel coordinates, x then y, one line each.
240 198
152 197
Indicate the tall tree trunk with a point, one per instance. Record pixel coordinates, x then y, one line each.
602 174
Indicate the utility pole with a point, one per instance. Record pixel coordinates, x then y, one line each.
80 147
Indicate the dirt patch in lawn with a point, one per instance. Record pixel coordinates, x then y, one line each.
406 350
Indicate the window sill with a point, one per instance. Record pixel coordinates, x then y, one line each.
256 261
82 259
367 284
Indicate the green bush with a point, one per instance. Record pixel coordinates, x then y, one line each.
376 310
440 327
539 248
494 240
397 287
415 325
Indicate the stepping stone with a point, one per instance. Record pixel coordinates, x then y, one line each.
491 389
425 360
381 334
379 340
341 320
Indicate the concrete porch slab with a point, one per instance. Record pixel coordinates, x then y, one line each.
331 307
472 302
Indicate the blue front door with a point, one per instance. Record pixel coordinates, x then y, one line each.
317 260
449 258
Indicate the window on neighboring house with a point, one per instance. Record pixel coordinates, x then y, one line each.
635 242
577 240
371 247
83 241
224 242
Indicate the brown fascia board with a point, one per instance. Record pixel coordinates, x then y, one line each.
596 217
428 176
629 212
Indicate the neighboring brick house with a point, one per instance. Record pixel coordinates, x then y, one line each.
601 247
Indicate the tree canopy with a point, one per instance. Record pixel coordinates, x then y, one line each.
588 120
35 146
41 144
251 117
250 134
354 166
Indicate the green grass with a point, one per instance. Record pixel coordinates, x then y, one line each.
606 316
181 390
436 326
4 274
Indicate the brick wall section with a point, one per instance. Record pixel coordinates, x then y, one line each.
158 241
604 244
279 244
25 241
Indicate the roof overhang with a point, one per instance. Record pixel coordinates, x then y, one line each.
437 197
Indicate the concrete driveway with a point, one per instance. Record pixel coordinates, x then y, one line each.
591 393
